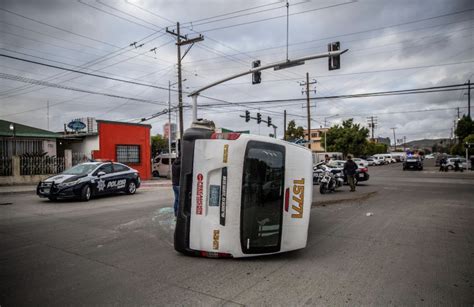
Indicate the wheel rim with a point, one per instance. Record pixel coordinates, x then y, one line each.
131 187
88 193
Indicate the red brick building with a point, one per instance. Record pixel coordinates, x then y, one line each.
127 143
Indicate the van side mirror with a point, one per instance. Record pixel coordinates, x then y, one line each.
101 173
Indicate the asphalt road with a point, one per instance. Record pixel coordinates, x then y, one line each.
416 249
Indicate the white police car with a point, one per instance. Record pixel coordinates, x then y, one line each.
90 179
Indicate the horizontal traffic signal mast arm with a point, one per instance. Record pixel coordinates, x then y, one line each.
281 64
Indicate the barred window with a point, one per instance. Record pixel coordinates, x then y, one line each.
128 153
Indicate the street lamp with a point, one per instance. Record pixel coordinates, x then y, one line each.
12 129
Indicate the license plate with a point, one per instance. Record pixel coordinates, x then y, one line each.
214 195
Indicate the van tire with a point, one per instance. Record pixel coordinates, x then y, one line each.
156 174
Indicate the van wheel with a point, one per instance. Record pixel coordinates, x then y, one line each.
86 193
156 174
131 187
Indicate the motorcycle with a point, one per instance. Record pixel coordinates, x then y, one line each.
330 181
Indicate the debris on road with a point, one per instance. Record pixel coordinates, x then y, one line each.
369 214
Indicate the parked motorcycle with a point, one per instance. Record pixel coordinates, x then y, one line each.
330 181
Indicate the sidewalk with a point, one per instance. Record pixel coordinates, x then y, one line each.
146 184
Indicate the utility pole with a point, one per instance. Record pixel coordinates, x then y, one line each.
47 114
459 114
394 139
182 40
169 129
284 125
469 98
308 107
372 123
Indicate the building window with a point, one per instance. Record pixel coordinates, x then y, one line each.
128 153
314 135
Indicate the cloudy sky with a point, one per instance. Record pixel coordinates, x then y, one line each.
393 45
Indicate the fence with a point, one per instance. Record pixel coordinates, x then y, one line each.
6 166
41 165
79 157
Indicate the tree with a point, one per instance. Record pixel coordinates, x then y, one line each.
158 144
469 140
347 138
294 133
375 148
464 128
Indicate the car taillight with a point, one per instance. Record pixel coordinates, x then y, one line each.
225 136
364 169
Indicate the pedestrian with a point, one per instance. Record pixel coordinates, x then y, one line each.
175 176
350 168
326 159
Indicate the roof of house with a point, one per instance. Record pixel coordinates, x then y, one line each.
24 131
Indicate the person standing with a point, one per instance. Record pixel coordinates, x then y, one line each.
175 176
327 159
350 168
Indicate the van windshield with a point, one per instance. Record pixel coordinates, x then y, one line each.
262 197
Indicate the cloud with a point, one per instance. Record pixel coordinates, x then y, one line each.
97 40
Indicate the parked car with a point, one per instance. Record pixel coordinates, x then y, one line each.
89 179
450 163
361 162
429 157
161 164
380 158
371 161
413 163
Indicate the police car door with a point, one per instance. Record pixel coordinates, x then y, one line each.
104 181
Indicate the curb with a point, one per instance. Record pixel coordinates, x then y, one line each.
18 192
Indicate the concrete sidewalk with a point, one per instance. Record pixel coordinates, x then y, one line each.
146 184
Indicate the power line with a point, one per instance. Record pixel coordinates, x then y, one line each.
276 17
56 85
452 87
231 13
88 64
85 73
362 31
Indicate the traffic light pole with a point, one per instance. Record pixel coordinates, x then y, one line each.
275 66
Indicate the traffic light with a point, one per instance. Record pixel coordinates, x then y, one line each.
256 76
247 116
334 62
259 118
269 121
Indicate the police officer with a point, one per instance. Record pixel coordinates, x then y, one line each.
350 168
